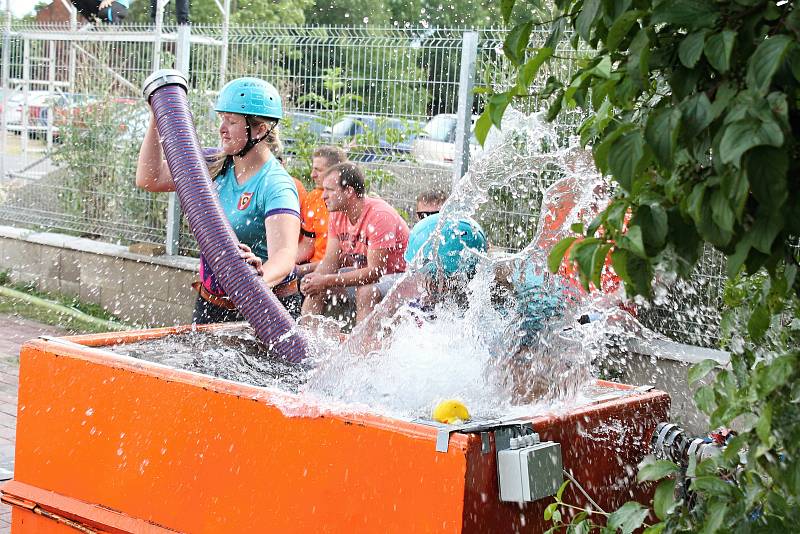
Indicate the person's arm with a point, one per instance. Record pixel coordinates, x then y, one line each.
305 249
152 173
314 282
377 262
282 231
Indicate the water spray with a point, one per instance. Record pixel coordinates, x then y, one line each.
165 91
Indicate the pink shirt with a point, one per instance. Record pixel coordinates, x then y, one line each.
379 227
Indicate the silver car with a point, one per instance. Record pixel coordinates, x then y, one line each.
436 142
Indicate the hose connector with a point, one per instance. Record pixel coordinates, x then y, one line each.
163 77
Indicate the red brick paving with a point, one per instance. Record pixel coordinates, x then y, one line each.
14 331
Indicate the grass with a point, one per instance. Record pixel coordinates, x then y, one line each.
27 310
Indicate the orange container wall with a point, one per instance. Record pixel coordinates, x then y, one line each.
169 450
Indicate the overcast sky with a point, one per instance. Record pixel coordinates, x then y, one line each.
18 7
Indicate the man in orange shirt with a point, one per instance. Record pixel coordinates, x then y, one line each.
314 213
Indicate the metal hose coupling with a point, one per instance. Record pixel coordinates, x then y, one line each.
165 91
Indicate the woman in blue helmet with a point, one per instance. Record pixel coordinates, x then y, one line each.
255 191
443 255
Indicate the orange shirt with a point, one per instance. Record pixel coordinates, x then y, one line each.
315 222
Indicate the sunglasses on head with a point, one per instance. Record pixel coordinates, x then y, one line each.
422 214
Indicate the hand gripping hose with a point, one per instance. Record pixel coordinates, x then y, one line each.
165 90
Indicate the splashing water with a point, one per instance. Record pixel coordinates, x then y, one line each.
425 343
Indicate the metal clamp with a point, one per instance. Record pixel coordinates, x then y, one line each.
163 77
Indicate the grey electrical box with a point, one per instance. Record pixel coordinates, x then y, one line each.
530 473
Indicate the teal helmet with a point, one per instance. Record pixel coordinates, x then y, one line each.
450 249
250 96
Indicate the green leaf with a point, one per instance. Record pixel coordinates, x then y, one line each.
582 253
712 485
767 226
628 517
548 512
598 262
640 273
691 48
528 72
517 42
652 219
696 114
775 374
620 28
741 136
557 254
764 425
700 370
586 19
561 489
691 14
624 157
556 32
764 62
506 7
767 169
718 49
664 498
714 516
655 470
497 107
721 212
658 528
705 399
482 126
759 321
632 241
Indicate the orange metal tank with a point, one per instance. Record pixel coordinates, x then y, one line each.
108 443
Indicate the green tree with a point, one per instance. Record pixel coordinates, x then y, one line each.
692 109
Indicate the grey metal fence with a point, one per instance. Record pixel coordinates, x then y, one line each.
73 119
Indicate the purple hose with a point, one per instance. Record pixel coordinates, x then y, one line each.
166 92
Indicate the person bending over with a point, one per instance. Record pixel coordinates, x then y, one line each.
256 193
110 11
314 232
366 241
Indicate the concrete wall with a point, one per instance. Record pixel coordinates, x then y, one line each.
140 290
665 364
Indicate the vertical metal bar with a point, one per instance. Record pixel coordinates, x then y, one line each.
6 87
26 80
469 54
223 61
160 4
173 204
51 87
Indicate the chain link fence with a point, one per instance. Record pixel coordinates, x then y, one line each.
73 120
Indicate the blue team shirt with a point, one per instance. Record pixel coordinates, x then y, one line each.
270 191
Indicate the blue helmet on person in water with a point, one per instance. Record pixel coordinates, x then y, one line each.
250 96
448 248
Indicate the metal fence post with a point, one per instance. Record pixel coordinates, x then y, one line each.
182 53
466 81
6 86
159 25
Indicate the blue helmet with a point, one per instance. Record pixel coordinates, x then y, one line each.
450 249
250 96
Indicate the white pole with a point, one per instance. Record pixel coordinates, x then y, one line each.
160 4
6 87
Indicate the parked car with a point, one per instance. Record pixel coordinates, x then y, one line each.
300 127
374 137
15 108
437 141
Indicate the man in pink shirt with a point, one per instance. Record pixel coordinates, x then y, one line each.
366 242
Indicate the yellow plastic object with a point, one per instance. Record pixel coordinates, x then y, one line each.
450 412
